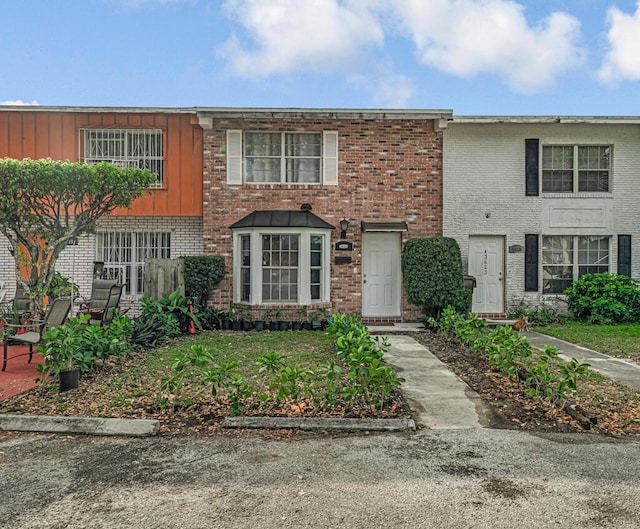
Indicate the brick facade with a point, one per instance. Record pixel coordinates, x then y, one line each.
389 169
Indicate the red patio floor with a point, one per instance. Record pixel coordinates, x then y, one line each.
19 375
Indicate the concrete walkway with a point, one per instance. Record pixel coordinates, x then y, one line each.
440 400
623 371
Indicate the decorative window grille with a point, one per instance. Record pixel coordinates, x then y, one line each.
141 148
245 268
124 254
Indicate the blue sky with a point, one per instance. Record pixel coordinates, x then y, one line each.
566 57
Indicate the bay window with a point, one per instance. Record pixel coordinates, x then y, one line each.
281 266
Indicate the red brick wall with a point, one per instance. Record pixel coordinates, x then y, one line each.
389 169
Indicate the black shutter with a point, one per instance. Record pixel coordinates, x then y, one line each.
531 157
531 263
624 255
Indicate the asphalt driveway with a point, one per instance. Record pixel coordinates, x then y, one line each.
438 479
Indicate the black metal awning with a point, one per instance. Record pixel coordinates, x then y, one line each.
384 226
282 219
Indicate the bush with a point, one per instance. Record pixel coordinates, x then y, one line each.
542 315
604 298
202 273
432 272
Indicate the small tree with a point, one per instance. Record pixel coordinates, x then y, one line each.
45 203
432 274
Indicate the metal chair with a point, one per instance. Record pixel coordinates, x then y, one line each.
20 305
100 294
55 317
108 312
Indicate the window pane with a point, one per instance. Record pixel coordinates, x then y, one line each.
262 144
303 145
302 170
556 279
280 268
262 170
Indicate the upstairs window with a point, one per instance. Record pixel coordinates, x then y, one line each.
581 168
141 148
261 157
283 157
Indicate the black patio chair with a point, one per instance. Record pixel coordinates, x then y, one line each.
55 317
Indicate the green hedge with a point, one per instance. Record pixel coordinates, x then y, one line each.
432 273
202 273
604 298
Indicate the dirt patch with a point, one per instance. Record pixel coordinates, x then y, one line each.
616 406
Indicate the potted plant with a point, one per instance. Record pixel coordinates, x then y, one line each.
235 317
303 311
247 319
65 352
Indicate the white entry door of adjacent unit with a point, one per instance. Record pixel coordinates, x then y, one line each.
486 264
381 269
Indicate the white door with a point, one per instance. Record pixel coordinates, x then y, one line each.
486 264
381 274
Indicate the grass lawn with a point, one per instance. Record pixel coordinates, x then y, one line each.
622 341
135 386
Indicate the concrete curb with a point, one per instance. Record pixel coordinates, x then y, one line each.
313 423
79 425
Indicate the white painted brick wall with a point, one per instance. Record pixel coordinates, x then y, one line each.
76 262
484 175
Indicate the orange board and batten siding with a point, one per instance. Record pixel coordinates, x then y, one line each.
42 134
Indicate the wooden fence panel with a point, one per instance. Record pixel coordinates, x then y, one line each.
163 276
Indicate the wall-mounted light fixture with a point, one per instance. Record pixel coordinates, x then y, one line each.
344 226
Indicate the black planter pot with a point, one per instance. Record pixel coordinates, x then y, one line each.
236 325
273 326
307 326
258 325
296 325
225 324
283 325
69 380
247 325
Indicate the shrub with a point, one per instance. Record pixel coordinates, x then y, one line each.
432 272
202 273
542 315
604 298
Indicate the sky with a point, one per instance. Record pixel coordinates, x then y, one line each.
476 57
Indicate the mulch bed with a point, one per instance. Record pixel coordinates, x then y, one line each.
514 409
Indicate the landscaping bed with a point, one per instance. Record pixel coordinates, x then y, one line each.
135 386
616 406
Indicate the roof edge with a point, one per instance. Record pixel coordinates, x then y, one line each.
609 120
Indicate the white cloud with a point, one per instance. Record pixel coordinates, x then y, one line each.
469 37
623 58
19 102
294 35
387 89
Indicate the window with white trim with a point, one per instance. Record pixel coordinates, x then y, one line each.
261 157
290 266
124 255
582 168
282 157
141 148
565 258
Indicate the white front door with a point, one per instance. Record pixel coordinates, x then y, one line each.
381 274
486 264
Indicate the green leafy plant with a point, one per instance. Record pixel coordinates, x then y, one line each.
432 275
604 298
202 273
64 347
60 286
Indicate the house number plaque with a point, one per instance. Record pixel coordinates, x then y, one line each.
344 246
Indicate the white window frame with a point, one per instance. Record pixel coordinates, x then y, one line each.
304 264
125 255
151 159
576 169
282 156
576 264
236 159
